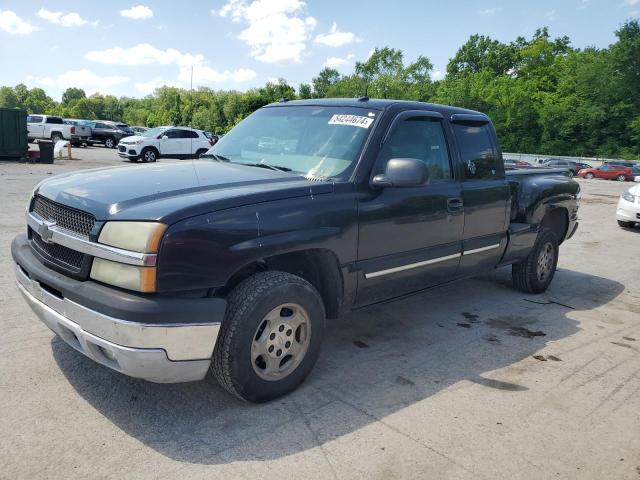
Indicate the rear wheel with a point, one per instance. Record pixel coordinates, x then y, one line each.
201 152
270 337
589 175
621 178
534 273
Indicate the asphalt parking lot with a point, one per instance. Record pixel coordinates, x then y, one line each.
475 380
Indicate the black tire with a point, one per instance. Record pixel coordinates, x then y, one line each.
625 224
56 137
201 152
621 178
589 176
148 155
525 274
110 142
247 306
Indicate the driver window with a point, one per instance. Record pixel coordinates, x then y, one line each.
421 138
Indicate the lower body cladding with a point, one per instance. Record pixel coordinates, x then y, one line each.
163 353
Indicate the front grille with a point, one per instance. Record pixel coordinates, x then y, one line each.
65 217
58 253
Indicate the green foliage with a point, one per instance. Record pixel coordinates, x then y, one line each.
543 95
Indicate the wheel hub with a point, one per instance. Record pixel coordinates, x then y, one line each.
281 341
545 262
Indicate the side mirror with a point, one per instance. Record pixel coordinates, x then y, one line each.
164 137
403 172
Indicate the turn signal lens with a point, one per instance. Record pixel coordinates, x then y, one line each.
140 279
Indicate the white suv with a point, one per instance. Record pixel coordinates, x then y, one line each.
172 142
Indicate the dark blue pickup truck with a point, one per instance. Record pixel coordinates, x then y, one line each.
228 266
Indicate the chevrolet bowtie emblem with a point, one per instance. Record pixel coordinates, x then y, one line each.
45 232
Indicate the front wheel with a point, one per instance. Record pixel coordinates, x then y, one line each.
534 273
625 224
621 178
110 142
270 337
149 155
56 137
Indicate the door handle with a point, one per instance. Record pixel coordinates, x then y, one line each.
454 205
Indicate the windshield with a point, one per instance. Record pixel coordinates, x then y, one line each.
153 132
314 141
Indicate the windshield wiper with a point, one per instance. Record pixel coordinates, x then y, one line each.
269 166
215 156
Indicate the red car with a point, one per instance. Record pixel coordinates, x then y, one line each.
608 172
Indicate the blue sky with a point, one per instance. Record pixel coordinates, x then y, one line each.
129 48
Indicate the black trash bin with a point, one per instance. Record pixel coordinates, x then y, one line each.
46 151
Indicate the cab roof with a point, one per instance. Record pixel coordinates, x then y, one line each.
374 104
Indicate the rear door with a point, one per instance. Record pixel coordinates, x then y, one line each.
485 192
409 238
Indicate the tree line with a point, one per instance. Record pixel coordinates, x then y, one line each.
543 95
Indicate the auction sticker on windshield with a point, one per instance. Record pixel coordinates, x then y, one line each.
352 120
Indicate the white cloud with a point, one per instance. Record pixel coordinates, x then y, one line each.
551 15
149 86
71 19
631 3
137 12
336 38
489 11
85 79
335 62
13 24
437 75
146 54
277 30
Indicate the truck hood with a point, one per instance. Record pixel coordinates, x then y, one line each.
174 191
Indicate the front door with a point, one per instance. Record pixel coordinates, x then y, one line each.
409 238
174 144
485 192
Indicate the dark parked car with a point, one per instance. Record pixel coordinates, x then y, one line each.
109 133
573 167
517 164
303 211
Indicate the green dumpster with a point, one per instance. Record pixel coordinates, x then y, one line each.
13 134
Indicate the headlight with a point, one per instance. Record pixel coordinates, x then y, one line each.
143 237
140 279
629 197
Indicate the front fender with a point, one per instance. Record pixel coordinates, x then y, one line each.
207 250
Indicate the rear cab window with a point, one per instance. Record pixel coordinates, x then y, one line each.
55 120
477 151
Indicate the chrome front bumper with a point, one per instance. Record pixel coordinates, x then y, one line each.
159 353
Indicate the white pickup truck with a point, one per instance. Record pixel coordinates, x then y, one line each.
41 127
